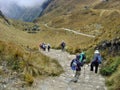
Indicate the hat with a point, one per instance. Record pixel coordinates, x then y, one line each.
96 52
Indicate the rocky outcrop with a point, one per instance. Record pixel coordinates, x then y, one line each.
112 46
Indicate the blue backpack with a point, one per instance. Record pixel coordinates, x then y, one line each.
98 59
73 64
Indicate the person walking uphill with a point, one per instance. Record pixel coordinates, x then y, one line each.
63 44
76 65
48 47
96 61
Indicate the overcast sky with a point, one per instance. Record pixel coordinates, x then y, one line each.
25 3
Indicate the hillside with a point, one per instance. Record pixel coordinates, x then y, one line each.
108 4
84 16
20 60
100 18
82 24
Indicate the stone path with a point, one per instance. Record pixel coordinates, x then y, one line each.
88 80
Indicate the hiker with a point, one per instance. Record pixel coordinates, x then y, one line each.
75 66
63 44
96 61
43 46
48 47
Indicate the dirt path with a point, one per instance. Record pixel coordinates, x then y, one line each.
73 31
88 80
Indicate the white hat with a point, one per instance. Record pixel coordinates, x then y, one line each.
96 52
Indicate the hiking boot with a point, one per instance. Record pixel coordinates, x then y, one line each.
75 81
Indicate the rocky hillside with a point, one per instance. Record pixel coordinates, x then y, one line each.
108 4
94 17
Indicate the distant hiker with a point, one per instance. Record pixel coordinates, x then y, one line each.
63 44
96 61
75 66
43 46
48 47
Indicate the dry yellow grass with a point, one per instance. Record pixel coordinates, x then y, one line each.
52 36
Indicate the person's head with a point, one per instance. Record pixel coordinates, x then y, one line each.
80 50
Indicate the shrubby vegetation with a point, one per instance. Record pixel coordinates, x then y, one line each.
110 66
28 64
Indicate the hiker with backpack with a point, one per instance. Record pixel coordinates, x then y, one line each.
63 44
96 61
76 66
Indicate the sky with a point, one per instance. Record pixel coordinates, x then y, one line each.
8 7
25 3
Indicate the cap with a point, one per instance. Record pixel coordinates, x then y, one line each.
96 52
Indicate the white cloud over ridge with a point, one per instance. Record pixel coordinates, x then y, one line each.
25 3
18 9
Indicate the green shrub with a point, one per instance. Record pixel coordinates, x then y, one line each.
110 68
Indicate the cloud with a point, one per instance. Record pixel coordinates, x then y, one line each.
18 9
30 3
22 3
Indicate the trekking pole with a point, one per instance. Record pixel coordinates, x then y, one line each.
84 71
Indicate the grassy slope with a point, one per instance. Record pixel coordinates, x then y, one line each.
13 50
102 22
10 33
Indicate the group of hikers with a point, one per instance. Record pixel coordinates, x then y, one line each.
45 47
79 61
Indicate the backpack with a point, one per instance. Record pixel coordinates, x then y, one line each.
63 44
73 64
98 59
82 58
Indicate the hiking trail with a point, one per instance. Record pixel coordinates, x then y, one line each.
87 81
70 30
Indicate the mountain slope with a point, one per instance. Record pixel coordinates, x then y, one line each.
108 4
90 17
